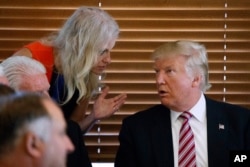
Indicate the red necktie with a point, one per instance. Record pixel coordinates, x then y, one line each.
186 143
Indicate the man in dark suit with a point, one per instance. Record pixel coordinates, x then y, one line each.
150 138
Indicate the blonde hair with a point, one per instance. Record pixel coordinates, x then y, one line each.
195 53
81 39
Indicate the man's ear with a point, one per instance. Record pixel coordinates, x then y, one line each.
197 81
33 145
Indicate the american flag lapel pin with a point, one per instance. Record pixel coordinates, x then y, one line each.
221 127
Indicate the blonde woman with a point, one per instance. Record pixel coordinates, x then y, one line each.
74 59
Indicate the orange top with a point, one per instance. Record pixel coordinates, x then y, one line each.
43 54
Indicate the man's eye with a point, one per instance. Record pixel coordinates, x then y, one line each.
169 70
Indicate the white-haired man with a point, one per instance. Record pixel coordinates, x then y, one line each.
26 74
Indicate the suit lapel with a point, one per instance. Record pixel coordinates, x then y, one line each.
217 133
162 138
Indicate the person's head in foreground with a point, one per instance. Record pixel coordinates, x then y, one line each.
33 132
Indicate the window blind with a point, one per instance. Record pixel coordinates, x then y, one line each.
223 26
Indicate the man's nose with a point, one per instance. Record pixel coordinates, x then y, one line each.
160 78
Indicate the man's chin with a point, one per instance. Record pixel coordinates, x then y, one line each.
164 102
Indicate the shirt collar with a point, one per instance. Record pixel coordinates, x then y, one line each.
198 110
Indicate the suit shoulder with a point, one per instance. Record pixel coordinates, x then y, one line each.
148 114
228 107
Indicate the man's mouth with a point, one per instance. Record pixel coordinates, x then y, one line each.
162 92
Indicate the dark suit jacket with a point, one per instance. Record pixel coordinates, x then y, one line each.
146 137
79 157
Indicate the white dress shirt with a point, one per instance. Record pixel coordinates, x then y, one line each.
198 125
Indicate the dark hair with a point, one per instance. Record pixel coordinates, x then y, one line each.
6 90
18 112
